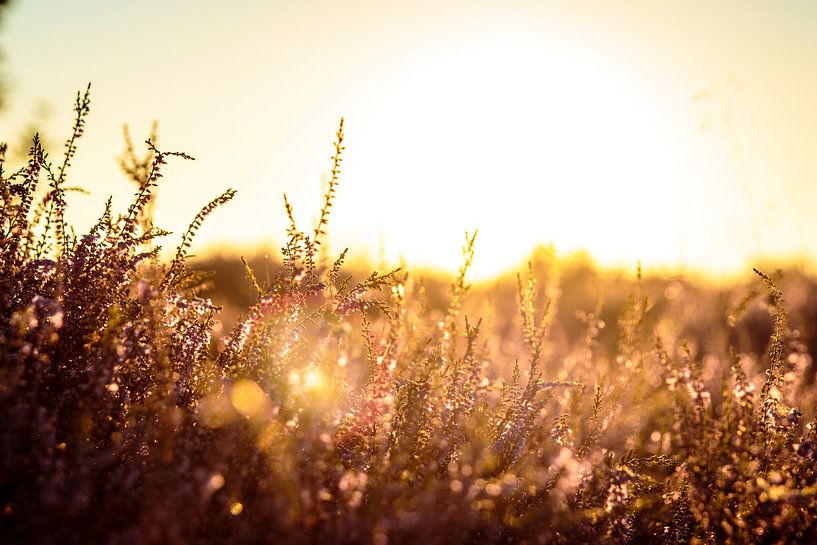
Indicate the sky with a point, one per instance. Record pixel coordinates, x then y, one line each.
679 133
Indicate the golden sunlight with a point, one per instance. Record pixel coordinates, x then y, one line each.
313 381
531 144
628 134
246 379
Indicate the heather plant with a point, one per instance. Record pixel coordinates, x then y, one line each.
347 408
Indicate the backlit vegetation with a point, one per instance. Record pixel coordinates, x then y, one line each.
361 409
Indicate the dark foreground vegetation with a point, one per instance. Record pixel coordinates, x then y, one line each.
378 410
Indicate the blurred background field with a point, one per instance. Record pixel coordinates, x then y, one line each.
705 312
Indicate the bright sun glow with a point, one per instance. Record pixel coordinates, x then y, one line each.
529 143
313 381
536 123
310 381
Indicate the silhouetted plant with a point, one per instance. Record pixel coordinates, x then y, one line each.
343 411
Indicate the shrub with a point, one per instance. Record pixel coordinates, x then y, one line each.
341 411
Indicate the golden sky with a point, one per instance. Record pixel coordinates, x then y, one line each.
677 133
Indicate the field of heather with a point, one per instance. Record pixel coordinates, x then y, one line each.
148 397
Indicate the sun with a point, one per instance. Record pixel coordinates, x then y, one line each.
529 142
